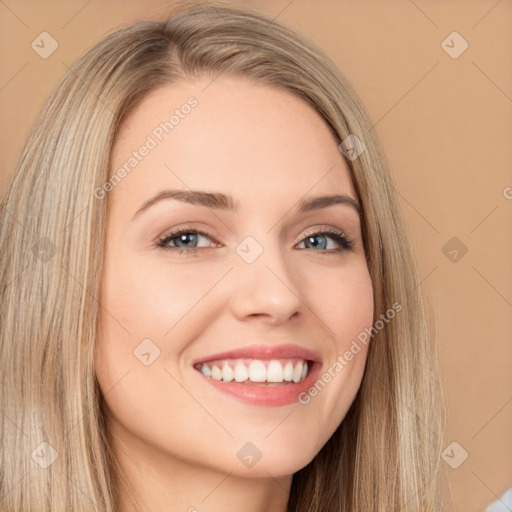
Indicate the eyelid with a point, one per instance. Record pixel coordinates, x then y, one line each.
185 228
321 229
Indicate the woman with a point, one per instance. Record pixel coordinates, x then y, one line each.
144 372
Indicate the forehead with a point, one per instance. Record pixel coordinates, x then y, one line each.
253 141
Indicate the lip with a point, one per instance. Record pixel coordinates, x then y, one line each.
264 394
264 352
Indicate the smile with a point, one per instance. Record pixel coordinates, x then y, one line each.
256 371
261 375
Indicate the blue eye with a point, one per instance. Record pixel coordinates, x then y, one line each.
183 240
338 236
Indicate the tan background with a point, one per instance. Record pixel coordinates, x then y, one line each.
446 125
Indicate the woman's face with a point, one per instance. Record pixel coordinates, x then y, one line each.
248 290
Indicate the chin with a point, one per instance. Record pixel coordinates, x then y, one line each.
272 467
278 458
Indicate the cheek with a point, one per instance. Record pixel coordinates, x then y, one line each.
150 298
141 300
343 300
344 303
154 307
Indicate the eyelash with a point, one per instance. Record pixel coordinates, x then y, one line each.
338 236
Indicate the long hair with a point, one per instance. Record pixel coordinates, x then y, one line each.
55 454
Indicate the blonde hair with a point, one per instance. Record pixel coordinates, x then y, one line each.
385 454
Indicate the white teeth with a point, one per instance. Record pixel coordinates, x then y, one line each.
216 373
227 373
257 371
304 371
297 372
241 373
274 372
288 371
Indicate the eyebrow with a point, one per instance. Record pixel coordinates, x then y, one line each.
219 201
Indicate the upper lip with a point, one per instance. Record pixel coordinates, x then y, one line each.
264 352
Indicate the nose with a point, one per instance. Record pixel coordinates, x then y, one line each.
267 289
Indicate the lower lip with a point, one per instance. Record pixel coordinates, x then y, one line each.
267 395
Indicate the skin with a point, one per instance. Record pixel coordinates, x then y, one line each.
176 436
